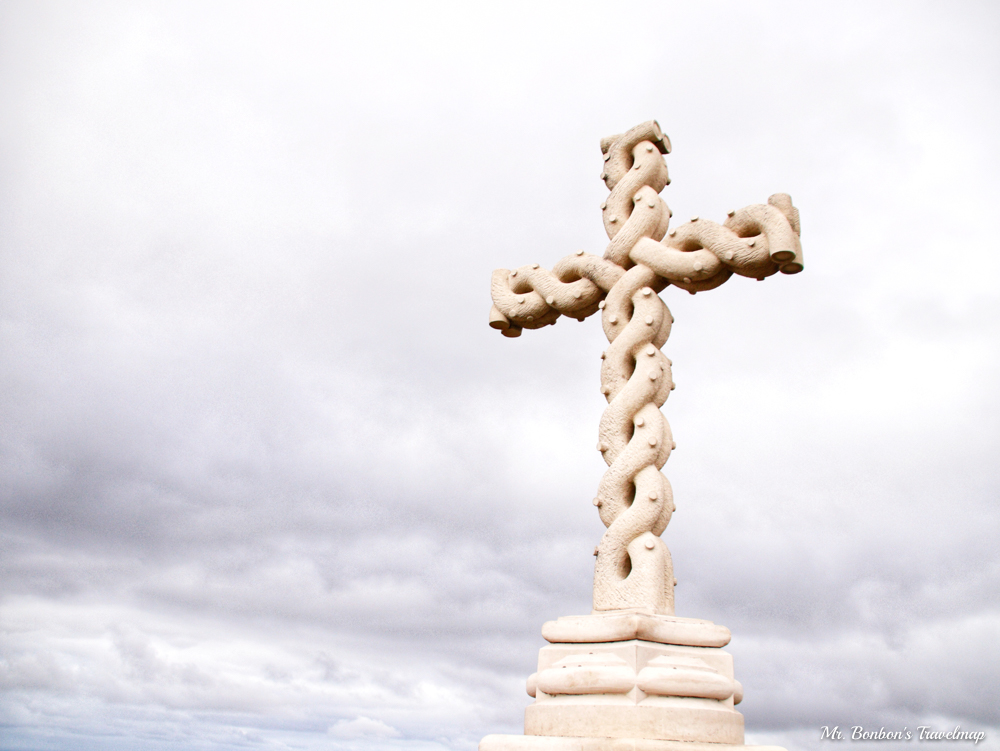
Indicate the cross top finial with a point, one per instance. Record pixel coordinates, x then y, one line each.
635 501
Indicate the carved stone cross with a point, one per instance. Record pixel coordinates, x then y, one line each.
634 570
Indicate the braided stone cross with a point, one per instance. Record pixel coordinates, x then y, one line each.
634 570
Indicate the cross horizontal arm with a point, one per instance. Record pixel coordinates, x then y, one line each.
531 297
757 241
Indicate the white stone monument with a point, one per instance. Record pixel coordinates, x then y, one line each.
632 675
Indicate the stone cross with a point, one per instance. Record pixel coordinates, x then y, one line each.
634 570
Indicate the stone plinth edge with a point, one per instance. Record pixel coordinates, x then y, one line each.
663 629
562 743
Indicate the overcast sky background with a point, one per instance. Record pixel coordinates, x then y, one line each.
268 479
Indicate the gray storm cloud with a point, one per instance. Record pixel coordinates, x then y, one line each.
267 477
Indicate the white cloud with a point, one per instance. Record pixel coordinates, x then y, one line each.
362 727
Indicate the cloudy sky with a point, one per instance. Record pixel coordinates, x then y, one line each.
268 479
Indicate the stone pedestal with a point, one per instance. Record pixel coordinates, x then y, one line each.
551 743
631 681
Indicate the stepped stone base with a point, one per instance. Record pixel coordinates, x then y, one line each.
561 743
631 681
675 721
622 625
